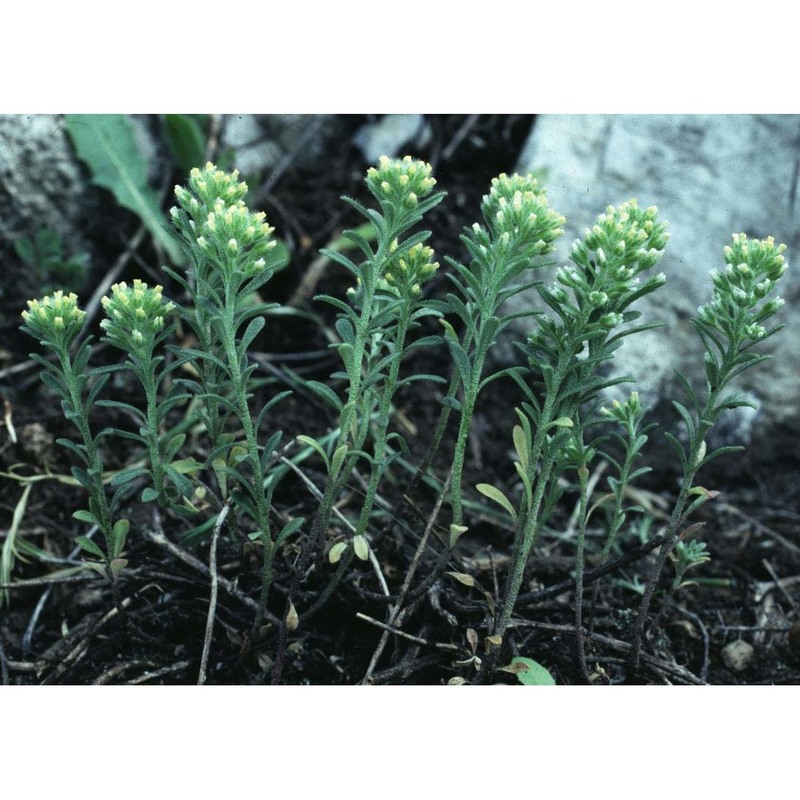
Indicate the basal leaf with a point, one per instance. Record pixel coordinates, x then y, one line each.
107 144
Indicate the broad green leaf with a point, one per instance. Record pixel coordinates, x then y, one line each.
185 139
149 494
532 674
337 551
85 516
361 547
186 466
493 493
107 144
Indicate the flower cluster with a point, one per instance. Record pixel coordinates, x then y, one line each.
754 268
518 216
624 242
208 185
134 315
628 237
400 183
406 274
212 214
627 413
55 319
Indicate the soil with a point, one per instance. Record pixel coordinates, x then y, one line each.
63 623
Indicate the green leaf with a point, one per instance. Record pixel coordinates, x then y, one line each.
493 493
336 552
462 577
127 475
88 546
149 494
361 547
317 446
289 529
456 532
85 516
186 466
532 674
521 445
185 139
107 144
326 393
25 250
337 460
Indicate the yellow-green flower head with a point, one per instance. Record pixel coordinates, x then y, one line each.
206 186
626 240
237 236
626 413
517 214
55 319
405 274
754 267
134 315
401 183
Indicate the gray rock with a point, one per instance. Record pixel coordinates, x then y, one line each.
710 176
42 185
390 133
738 655
262 142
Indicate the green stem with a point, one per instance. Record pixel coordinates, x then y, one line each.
528 527
676 520
384 416
583 474
149 382
465 423
243 410
94 462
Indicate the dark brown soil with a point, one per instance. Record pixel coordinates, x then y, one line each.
64 624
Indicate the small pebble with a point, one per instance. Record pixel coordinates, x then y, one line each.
737 655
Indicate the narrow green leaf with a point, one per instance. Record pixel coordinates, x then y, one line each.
289 529
493 493
88 546
85 516
521 445
326 393
462 577
149 494
127 475
337 461
317 446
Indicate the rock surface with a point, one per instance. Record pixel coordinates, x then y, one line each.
710 176
263 141
42 184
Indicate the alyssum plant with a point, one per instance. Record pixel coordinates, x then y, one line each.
562 427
